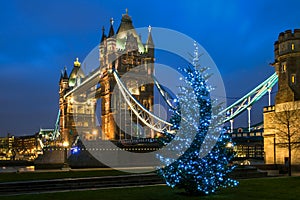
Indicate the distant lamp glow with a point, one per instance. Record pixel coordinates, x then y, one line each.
65 143
229 145
75 150
95 132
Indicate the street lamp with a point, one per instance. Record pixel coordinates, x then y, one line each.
229 145
65 144
95 134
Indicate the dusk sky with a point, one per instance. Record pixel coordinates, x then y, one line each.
39 38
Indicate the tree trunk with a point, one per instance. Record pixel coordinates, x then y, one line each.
290 157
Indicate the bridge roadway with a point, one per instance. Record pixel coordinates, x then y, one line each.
73 184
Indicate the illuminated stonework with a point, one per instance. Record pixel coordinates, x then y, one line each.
277 131
77 114
287 62
122 51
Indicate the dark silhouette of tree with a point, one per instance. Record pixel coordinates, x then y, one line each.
286 125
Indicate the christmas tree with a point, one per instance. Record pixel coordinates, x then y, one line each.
199 168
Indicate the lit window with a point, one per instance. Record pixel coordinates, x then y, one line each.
293 46
143 88
283 67
293 78
258 134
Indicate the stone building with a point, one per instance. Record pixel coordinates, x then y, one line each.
281 121
122 51
248 145
6 147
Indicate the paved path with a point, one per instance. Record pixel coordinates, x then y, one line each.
71 184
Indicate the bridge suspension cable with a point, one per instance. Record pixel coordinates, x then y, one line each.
166 96
92 80
149 119
159 125
249 99
237 107
56 132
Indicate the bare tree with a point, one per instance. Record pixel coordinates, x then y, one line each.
286 125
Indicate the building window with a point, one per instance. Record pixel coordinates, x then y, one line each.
258 134
283 67
251 151
293 78
293 46
143 88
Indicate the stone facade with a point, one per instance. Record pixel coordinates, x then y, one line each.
276 132
77 113
248 145
122 52
287 62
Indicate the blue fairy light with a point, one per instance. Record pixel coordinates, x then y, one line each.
195 174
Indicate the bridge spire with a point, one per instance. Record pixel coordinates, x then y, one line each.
111 29
150 42
77 63
65 76
103 34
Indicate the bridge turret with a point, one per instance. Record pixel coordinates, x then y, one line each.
280 121
150 43
287 62
149 46
76 74
64 80
102 48
111 46
111 39
63 88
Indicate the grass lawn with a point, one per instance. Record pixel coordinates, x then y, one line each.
6 177
264 188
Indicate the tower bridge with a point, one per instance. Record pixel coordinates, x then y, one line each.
107 105
81 94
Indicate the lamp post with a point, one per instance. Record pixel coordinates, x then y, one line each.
65 145
274 149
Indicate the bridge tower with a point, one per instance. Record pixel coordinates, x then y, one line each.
123 51
76 114
286 64
63 103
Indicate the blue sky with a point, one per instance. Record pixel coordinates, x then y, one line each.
39 38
